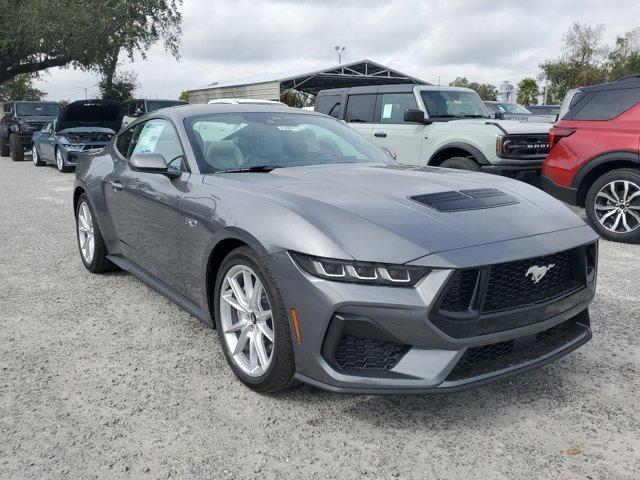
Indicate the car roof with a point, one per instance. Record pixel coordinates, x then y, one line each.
181 112
630 81
393 88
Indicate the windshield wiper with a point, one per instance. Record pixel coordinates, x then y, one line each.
255 168
475 116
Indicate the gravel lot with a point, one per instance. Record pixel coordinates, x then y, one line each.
104 378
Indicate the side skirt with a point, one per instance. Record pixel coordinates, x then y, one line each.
177 298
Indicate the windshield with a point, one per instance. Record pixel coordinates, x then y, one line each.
240 141
511 108
37 109
453 103
153 105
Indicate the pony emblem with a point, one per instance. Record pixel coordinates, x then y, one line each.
537 273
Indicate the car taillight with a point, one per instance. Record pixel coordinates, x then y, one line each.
556 133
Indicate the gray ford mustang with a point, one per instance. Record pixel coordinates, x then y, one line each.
317 258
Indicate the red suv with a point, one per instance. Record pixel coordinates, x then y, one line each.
594 158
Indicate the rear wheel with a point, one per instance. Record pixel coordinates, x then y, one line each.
613 206
93 251
252 323
461 163
62 168
15 148
4 147
36 157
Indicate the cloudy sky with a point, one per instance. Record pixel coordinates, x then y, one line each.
484 40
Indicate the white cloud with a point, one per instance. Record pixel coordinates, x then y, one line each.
484 40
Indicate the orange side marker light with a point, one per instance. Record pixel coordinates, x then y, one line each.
296 326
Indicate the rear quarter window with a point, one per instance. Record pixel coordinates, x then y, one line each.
360 108
603 105
329 105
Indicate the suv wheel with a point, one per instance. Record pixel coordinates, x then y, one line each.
93 251
4 147
461 163
15 147
613 206
252 323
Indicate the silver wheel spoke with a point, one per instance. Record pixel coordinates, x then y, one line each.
608 197
605 207
612 189
266 331
227 297
237 326
263 358
604 217
242 341
256 294
238 293
635 215
614 227
633 195
626 191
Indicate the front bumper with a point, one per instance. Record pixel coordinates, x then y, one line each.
426 359
526 173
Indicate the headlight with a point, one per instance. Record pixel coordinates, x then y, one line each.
360 272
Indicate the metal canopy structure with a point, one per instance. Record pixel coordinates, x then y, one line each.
271 86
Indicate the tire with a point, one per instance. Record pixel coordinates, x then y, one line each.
62 168
598 206
279 373
461 163
36 157
98 263
4 147
16 148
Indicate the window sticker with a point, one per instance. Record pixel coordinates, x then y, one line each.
149 137
387 110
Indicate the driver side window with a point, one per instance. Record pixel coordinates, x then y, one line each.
159 136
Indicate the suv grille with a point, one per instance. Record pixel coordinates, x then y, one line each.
36 126
461 288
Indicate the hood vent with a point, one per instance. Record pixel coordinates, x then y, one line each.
457 201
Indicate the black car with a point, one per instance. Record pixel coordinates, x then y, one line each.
544 109
19 122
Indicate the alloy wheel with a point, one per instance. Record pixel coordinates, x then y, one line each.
85 233
246 320
617 206
34 154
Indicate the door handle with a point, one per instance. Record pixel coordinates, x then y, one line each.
117 186
380 134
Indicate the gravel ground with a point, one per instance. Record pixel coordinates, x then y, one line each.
104 378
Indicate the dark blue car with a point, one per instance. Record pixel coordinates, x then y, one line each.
83 125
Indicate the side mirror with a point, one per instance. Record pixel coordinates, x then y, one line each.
152 163
413 115
498 116
391 152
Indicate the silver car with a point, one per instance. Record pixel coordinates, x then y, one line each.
319 259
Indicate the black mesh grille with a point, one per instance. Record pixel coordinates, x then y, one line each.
460 291
514 284
485 353
360 352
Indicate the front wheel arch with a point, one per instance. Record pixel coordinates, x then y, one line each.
598 166
457 150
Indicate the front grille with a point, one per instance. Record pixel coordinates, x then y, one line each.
525 147
514 284
36 126
460 291
485 353
361 352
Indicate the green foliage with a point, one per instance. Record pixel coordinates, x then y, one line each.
20 88
486 91
587 60
297 99
528 91
121 87
184 96
39 34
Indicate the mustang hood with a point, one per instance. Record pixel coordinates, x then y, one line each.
91 113
373 212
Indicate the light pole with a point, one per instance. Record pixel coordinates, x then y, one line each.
340 50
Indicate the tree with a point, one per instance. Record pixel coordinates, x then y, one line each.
486 91
624 58
184 96
36 35
295 98
40 34
528 91
20 88
129 27
582 63
121 87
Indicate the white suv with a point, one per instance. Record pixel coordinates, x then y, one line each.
442 126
